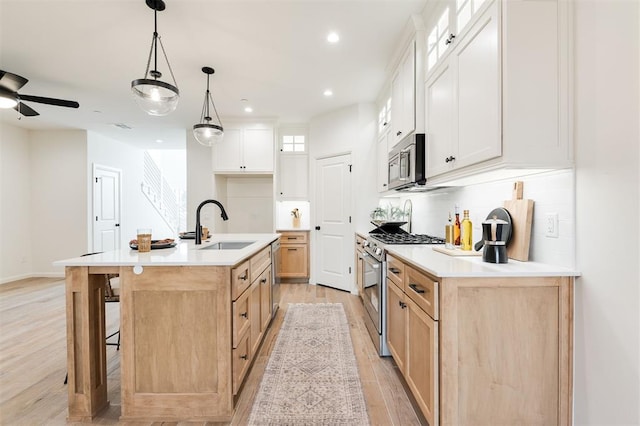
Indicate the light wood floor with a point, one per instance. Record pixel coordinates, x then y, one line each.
33 358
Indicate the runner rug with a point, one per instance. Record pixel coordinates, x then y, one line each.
312 376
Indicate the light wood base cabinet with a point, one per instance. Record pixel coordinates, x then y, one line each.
497 351
294 254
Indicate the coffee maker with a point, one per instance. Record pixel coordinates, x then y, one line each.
495 233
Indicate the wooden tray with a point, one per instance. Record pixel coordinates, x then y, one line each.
457 252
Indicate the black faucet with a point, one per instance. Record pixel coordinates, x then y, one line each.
198 226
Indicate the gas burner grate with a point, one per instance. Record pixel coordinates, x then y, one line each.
407 239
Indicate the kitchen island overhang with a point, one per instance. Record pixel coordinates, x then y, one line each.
180 359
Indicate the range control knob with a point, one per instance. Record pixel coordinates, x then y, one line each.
365 243
378 251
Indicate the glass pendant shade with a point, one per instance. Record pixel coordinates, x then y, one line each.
155 97
152 95
208 134
205 132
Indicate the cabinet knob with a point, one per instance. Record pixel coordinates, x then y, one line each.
450 39
244 315
244 357
398 133
317 228
449 159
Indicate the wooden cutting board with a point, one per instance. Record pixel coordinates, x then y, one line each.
521 211
457 252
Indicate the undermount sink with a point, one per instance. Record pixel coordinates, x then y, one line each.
228 245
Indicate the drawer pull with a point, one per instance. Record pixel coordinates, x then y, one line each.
244 315
415 288
264 280
292 238
244 277
395 270
402 305
292 249
245 357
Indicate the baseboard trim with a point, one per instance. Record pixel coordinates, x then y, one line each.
7 280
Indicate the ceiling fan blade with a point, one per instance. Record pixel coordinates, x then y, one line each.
25 110
50 101
11 81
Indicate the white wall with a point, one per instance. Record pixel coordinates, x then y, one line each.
249 204
15 184
607 299
137 211
200 181
57 212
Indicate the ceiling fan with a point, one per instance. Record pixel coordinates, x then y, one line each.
9 98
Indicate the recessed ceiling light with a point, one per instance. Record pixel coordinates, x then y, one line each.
248 109
159 141
328 92
333 37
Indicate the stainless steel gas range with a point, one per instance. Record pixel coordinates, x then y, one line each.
374 295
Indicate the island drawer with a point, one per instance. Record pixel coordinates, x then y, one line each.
259 262
395 271
241 323
240 279
422 289
240 362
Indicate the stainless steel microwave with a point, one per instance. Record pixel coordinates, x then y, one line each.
407 163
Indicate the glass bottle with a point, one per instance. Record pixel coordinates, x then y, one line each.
456 229
448 234
466 237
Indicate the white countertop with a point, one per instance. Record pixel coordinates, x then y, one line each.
185 253
294 229
442 265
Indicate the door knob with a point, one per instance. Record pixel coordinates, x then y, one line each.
317 228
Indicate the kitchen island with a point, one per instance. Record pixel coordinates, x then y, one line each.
191 320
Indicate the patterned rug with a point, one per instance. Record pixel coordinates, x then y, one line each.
311 377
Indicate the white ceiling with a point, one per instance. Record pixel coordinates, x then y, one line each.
273 53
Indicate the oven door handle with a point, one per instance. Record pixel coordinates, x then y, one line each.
370 260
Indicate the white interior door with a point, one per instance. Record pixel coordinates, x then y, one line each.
333 243
106 208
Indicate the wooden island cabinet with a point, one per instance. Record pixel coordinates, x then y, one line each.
191 323
482 343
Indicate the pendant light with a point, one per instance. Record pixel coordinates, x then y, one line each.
205 132
154 96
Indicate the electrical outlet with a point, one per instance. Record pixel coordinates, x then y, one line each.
552 225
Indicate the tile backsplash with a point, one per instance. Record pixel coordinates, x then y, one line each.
552 192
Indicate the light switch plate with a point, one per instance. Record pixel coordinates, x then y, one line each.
551 223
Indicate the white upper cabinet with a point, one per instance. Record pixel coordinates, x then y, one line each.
382 152
451 21
403 89
293 165
293 177
496 93
245 148
462 101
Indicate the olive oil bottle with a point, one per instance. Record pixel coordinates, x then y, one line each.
466 231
